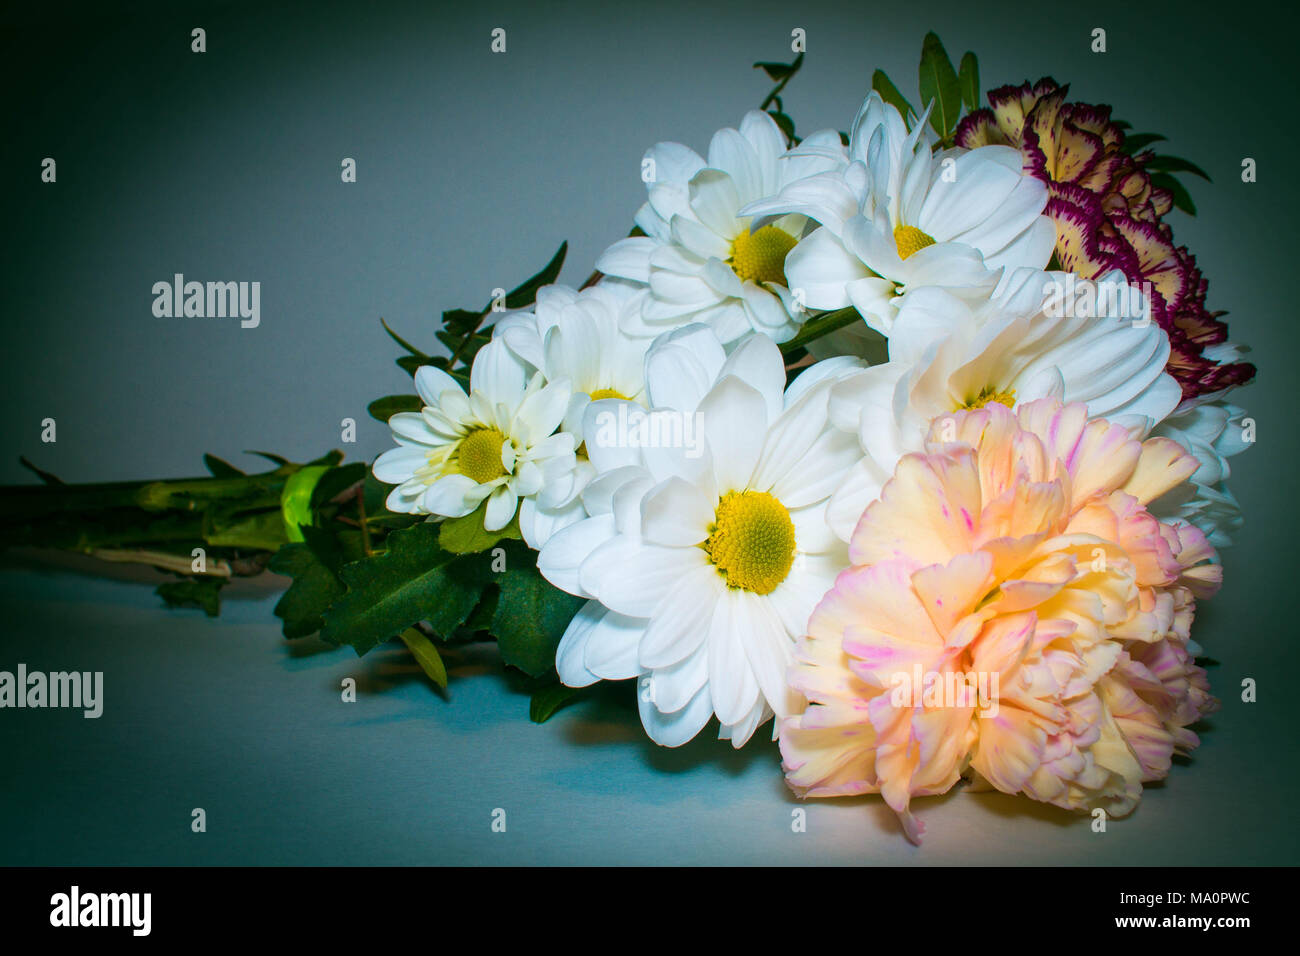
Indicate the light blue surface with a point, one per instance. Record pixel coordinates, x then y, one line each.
227 716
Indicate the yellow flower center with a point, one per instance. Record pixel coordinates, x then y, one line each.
911 240
479 457
600 393
751 542
990 393
760 255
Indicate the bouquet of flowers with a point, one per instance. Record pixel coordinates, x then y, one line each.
904 446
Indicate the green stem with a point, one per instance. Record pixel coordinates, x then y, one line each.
823 325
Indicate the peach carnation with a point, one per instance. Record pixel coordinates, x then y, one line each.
1015 565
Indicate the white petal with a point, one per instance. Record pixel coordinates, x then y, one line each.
675 513
675 729
680 625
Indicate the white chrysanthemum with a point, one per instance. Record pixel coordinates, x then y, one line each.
707 545
1212 431
1042 335
896 217
698 255
576 336
497 443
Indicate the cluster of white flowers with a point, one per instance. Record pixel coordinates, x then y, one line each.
700 495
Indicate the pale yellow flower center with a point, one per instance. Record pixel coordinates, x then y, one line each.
479 455
600 393
911 240
760 255
751 542
990 393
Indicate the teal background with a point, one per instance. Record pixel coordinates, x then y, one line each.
472 167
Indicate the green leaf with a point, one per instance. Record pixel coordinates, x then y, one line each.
1182 198
549 699
969 77
480 619
295 499
1135 142
526 294
410 364
220 469
426 655
258 531
776 71
938 81
315 587
382 409
785 123
403 343
1172 164
45 476
204 593
530 619
461 321
889 93
414 580
467 535
335 482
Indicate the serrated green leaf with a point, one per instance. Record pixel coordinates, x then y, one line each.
426 655
549 699
883 85
530 619
204 593
382 409
939 84
968 76
414 580
467 535
480 619
315 587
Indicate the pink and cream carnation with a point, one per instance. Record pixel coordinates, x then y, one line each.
1013 563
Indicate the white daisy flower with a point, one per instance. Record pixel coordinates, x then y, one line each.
1042 335
895 217
698 255
703 560
497 443
576 336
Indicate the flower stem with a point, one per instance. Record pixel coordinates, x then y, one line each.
822 325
